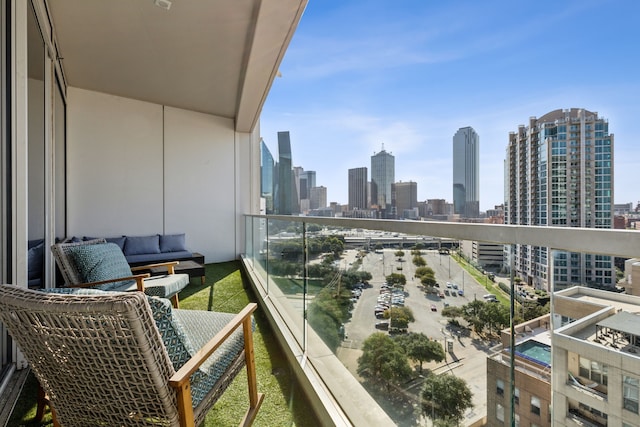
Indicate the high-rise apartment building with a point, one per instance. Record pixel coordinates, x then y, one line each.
405 198
358 188
466 175
382 176
266 176
559 172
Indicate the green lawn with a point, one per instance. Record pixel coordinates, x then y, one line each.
225 290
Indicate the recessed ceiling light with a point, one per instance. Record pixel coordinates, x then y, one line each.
165 4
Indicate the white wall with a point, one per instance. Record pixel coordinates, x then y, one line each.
138 168
200 186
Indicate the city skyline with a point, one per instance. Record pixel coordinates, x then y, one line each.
409 75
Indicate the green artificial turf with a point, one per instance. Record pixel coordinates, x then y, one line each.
224 290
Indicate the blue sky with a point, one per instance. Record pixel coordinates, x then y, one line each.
409 73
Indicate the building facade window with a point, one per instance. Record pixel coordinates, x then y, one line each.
595 371
516 395
630 393
535 405
500 412
500 387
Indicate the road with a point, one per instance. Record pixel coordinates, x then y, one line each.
468 357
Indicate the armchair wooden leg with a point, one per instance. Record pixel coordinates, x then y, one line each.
255 398
43 401
175 302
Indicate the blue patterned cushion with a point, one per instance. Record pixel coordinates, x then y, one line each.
103 261
184 331
171 331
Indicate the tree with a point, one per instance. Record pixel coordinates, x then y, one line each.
399 317
471 313
533 310
383 360
418 261
421 348
399 254
421 271
452 312
428 280
351 277
314 227
396 279
446 397
494 316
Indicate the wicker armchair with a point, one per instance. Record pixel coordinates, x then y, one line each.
98 264
114 358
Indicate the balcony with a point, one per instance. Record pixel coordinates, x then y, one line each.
142 115
270 240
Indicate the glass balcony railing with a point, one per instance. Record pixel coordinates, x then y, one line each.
346 295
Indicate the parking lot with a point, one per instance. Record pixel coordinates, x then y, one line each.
468 356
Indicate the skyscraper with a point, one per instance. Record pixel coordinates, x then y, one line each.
405 197
358 188
286 195
318 197
266 176
559 172
382 176
307 181
466 181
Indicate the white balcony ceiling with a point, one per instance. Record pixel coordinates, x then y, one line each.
212 56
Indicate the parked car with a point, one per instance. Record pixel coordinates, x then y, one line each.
441 294
433 307
460 292
382 325
455 286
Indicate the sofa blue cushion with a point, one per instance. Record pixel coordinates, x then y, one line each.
153 258
137 245
117 240
102 261
172 243
35 258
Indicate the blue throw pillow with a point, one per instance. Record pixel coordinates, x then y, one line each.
117 240
138 245
172 243
102 261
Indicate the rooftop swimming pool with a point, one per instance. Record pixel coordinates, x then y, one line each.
535 351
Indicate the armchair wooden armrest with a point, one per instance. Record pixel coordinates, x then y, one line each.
180 380
169 264
139 278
